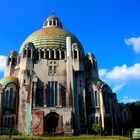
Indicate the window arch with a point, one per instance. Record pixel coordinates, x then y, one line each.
29 53
47 54
42 53
24 53
50 22
63 55
57 54
96 98
54 22
52 53
37 55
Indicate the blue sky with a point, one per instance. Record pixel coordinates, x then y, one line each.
108 28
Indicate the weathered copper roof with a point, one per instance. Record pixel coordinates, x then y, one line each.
51 37
8 79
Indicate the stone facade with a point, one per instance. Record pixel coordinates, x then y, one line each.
52 86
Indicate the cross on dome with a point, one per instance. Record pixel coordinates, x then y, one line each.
52 13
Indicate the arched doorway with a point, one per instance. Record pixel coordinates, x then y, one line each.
51 123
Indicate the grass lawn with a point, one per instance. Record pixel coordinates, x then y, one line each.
82 137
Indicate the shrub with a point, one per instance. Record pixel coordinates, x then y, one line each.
96 129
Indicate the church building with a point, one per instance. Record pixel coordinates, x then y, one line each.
51 86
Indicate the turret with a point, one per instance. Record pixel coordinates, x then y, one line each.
11 63
91 66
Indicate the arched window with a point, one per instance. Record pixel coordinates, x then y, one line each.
9 98
52 54
47 54
96 99
50 22
29 53
63 96
42 54
89 65
54 22
57 54
24 53
37 55
39 99
75 54
96 119
13 62
63 55
52 93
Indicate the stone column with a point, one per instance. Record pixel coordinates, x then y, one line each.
60 54
54 53
69 72
34 96
49 53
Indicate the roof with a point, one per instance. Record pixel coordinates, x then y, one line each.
96 82
99 83
51 37
8 79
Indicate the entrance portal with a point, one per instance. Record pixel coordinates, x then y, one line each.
51 123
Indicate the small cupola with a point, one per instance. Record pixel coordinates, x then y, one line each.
52 21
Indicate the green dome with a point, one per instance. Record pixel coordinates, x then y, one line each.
51 37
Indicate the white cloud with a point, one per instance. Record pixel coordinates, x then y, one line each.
134 42
123 73
126 99
116 88
102 72
2 62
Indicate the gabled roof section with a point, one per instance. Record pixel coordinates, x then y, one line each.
99 83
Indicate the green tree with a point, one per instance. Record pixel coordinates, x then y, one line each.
96 128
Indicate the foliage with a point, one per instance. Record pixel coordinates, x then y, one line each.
81 137
96 128
135 113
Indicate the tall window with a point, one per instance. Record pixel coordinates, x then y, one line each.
37 55
13 62
29 53
9 98
96 120
25 52
96 99
47 54
75 54
48 95
42 54
52 53
39 99
56 87
52 87
57 54
63 96
63 55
